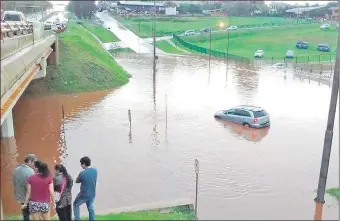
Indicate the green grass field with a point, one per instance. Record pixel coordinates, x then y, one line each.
274 41
178 25
335 192
84 65
103 34
165 46
176 213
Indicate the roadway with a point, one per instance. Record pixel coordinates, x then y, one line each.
130 39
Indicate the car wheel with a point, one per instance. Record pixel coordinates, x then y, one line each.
246 125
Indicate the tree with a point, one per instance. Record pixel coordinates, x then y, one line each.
170 4
82 9
189 8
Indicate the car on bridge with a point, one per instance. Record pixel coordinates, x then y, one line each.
247 115
13 17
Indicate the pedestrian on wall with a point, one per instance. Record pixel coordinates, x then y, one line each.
63 183
20 177
39 192
88 179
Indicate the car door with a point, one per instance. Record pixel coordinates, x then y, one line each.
238 116
246 117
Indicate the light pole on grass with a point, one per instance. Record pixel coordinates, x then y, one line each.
220 25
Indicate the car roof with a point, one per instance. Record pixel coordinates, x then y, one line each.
12 12
323 45
289 51
248 107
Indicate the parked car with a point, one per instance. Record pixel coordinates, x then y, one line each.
231 28
13 16
205 30
290 54
189 32
302 45
259 54
323 47
325 26
249 116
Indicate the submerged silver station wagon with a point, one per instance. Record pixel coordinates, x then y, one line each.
249 116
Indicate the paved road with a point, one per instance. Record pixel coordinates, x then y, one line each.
130 39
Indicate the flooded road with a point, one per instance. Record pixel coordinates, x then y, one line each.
244 173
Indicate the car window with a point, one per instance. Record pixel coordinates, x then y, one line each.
238 112
245 113
230 111
260 113
12 17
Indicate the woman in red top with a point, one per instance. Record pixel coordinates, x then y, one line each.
39 191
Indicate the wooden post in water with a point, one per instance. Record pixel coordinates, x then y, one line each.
129 116
196 171
63 130
166 112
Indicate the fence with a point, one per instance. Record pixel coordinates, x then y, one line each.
323 58
214 53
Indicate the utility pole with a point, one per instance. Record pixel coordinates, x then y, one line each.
327 146
154 40
228 39
209 48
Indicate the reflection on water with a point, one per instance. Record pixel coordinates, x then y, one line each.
236 180
248 133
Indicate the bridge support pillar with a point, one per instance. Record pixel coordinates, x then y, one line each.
42 72
7 127
56 51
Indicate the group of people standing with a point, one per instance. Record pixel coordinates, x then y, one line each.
37 190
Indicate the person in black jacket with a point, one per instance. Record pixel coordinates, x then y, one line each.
63 183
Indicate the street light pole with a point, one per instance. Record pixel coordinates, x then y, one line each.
228 39
154 39
209 48
327 146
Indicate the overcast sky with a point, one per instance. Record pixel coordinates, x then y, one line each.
289 2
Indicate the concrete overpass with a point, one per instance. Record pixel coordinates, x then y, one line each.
26 50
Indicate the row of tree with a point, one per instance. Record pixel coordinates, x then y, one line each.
246 8
82 9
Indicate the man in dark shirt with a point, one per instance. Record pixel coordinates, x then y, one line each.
88 179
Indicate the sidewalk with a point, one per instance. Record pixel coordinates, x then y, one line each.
131 40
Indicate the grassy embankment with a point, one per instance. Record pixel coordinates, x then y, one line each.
335 192
176 213
102 33
274 41
178 25
84 66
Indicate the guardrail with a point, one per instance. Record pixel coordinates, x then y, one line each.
11 29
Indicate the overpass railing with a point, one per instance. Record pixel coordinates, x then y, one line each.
16 41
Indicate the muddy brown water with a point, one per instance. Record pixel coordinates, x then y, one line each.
245 173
